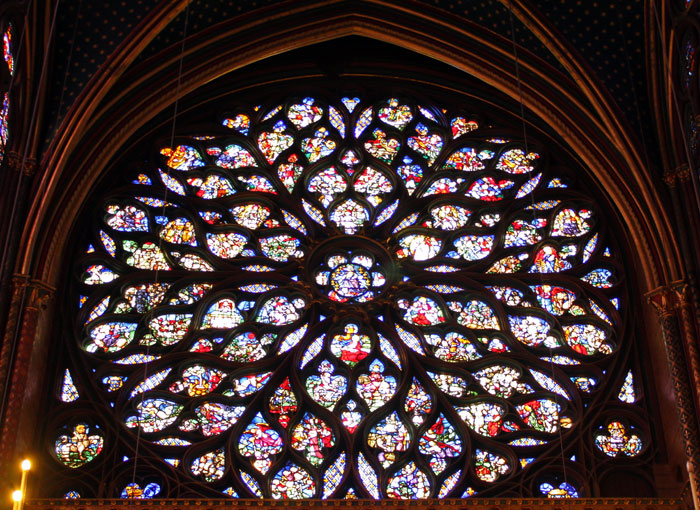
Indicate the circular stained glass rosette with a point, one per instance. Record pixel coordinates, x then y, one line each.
320 300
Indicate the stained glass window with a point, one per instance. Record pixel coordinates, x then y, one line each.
343 299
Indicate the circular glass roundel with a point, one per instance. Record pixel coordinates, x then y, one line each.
349 299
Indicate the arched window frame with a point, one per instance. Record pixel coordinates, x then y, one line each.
547 477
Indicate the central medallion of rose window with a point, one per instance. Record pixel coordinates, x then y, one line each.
350 277
468 314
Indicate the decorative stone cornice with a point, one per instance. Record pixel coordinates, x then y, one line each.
667 299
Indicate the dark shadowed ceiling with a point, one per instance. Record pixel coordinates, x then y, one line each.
609 35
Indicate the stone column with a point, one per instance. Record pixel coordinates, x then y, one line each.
686 316
18 286
667 303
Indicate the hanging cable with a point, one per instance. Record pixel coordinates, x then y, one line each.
517 74
676 108
149 315
532 200
17 59
635 98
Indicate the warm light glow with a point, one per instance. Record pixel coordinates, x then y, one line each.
26 465
17 496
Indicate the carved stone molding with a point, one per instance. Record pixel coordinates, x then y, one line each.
16 162
677 297
486 503
38 294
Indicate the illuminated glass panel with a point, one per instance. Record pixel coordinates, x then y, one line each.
8 49
4 121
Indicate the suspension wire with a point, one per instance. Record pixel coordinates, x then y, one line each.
13 212
149 315
532 200
676 108
517 74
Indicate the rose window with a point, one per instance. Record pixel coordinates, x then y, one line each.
350 278
346 299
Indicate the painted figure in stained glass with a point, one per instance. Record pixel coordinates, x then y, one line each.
376 388
351 347
79 448
390 436
283 402
422 311
326 388
409 483
292 482
369 268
